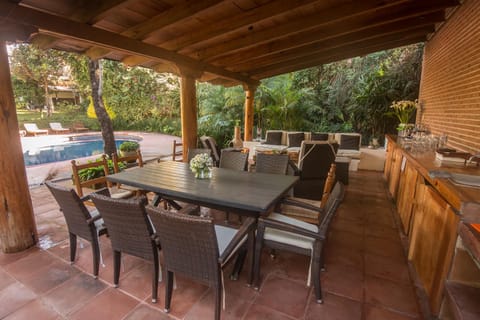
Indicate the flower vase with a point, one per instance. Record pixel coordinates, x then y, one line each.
203 174
237 142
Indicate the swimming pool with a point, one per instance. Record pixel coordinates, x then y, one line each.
50 149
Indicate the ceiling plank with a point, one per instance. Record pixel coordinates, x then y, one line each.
166 18
225 26
323 34
336 55
54 25
318 47
361 13
96 53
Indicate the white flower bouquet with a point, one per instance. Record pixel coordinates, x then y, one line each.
201 165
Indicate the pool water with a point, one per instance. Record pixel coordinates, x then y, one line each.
52 150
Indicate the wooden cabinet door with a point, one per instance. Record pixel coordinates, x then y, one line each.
406 194
397 158
432 245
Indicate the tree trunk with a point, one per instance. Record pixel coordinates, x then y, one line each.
95 72
48 99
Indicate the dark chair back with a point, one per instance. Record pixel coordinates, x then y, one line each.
189 244
74 211
210 143
315 159
234 160
128 225
192 152
271 163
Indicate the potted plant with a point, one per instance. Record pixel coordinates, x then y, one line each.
128 148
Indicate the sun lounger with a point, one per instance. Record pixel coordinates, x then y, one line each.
33 130
79 127
57 127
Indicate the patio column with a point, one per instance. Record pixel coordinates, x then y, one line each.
17 223
248 126
188 107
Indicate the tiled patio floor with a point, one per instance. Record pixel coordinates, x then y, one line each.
366 278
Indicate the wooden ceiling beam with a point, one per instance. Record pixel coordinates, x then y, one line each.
174 15
323 34
340 13
245 20
133 61
12 32
325 45
348 18
57 26
96 53
44 42
337 55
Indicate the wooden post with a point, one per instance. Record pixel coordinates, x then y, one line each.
17 223
248 126
188 106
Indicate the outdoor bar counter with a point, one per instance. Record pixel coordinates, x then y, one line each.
436 214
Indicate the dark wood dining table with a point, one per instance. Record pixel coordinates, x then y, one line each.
245 193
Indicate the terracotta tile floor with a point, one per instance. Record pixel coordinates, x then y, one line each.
366 277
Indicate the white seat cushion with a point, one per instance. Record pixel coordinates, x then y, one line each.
289 237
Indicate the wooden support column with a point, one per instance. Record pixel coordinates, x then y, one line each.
17 223
248 126
188 106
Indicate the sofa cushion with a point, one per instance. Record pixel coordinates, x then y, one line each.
295 139
350 141
274 137
319 136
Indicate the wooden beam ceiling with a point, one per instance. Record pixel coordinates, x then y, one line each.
225 41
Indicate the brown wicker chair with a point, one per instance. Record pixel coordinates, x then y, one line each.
192 152
271 163
80 222
314 162
306 209
131 232
284 233
234 160
197 248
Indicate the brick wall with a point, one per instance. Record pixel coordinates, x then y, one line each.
450 85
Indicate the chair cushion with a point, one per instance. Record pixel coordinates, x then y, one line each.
295 139
289 237
319 136
274 137
224 237
351 142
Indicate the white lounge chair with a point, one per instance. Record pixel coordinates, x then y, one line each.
58 128
33 130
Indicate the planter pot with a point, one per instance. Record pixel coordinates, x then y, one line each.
128 154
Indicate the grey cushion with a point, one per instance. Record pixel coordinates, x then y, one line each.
295 139
274 137
351 142
319 136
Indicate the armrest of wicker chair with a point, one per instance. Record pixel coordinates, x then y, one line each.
280 225
102 191
247 227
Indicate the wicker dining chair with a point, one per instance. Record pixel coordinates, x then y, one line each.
234 160
130 232
271 163
278 231
81 222
192 152
198 249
